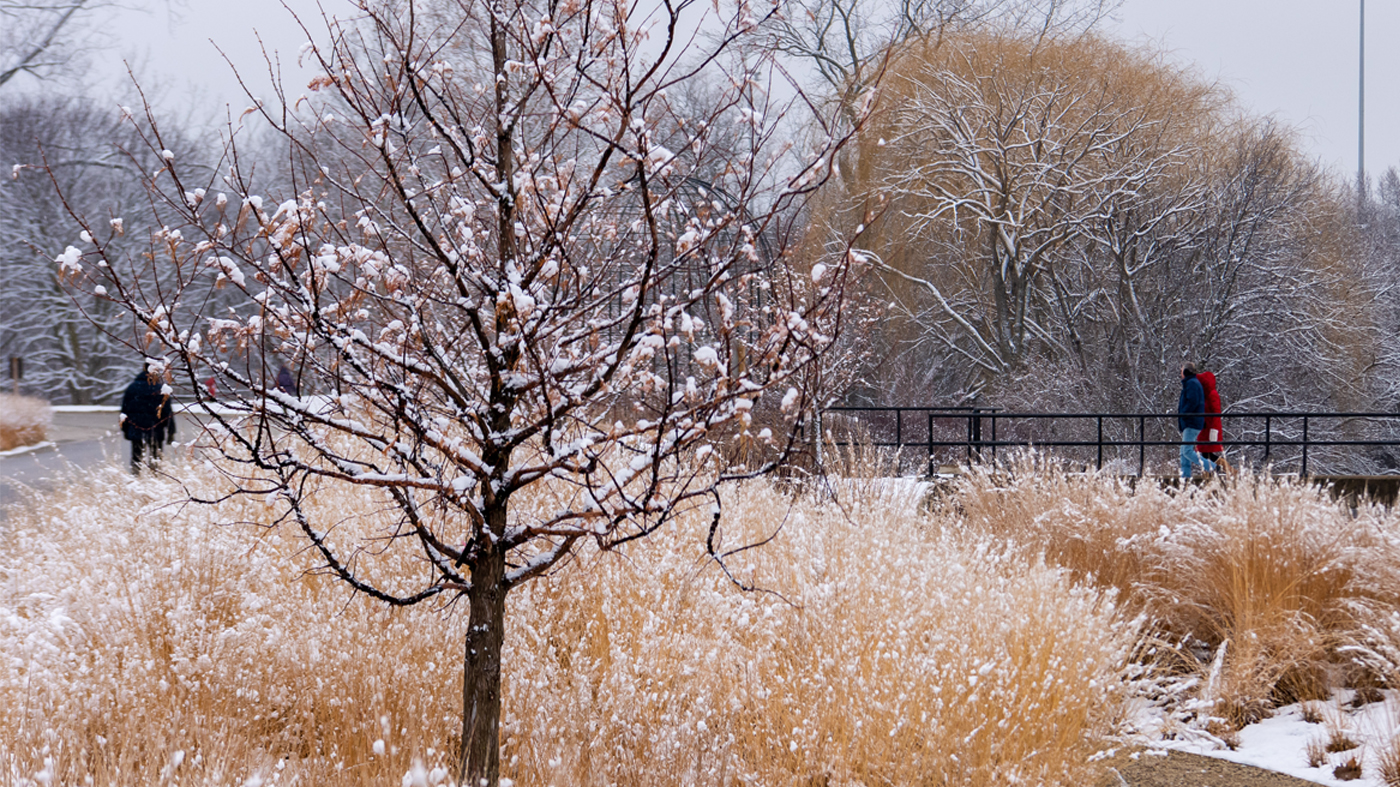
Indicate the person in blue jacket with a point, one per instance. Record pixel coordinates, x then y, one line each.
1190 419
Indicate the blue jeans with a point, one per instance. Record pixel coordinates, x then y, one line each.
1189 458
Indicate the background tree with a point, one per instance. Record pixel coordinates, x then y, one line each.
505 284
1064 219
84 149
32 36
1380 254
843 44
1002 154
48 39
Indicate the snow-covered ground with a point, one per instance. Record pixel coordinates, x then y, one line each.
1280 743
85 408
24 449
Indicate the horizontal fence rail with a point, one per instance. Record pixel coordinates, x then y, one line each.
1278 438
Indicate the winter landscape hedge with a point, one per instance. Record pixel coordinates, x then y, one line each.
1001 632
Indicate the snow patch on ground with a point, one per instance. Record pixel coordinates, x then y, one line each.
1279 743
24 449
85 408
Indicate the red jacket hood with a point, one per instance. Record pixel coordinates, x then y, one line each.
1207 380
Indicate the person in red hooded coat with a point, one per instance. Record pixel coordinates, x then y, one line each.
1208 441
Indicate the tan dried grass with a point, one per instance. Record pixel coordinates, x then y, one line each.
146 643
895 655
24 420
1316 752
1388 762
1099 527
1273 570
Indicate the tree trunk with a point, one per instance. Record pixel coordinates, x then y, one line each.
481 674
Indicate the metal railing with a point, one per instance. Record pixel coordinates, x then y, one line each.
975 431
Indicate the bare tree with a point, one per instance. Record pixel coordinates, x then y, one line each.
84 149
844 44
843 39
1002 154
500 280
1383 230
49 39
1054 212
1379 235
1221 258
31 35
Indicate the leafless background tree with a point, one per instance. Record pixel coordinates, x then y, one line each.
1380 238
91 154
1063 220
32 36
844 42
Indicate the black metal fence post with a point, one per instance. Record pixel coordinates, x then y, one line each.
1305 447
1268 436
1100 465
930 444
1142 445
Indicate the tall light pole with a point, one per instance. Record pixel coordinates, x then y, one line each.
1361 118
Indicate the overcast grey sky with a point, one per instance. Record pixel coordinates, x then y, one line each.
1295 59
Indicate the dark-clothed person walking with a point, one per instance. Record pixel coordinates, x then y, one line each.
286 383
147 418
1190 419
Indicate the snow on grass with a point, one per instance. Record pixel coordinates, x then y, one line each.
997 630
134 627
1261 590
24 421
894 654
25 449
143 636
1280 742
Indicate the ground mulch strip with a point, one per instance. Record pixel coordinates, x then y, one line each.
1179 769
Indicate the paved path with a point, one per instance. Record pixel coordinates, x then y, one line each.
82 440
1179 769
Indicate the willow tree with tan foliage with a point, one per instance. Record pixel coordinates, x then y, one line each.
1081 208
1002 151
511 262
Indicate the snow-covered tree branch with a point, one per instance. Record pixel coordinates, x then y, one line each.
32 30
509 258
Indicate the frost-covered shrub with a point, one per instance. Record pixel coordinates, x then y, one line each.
1269 577
24 420
876 651
144 642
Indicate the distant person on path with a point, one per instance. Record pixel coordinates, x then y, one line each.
147 419
1190 421
285 382
1208 443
